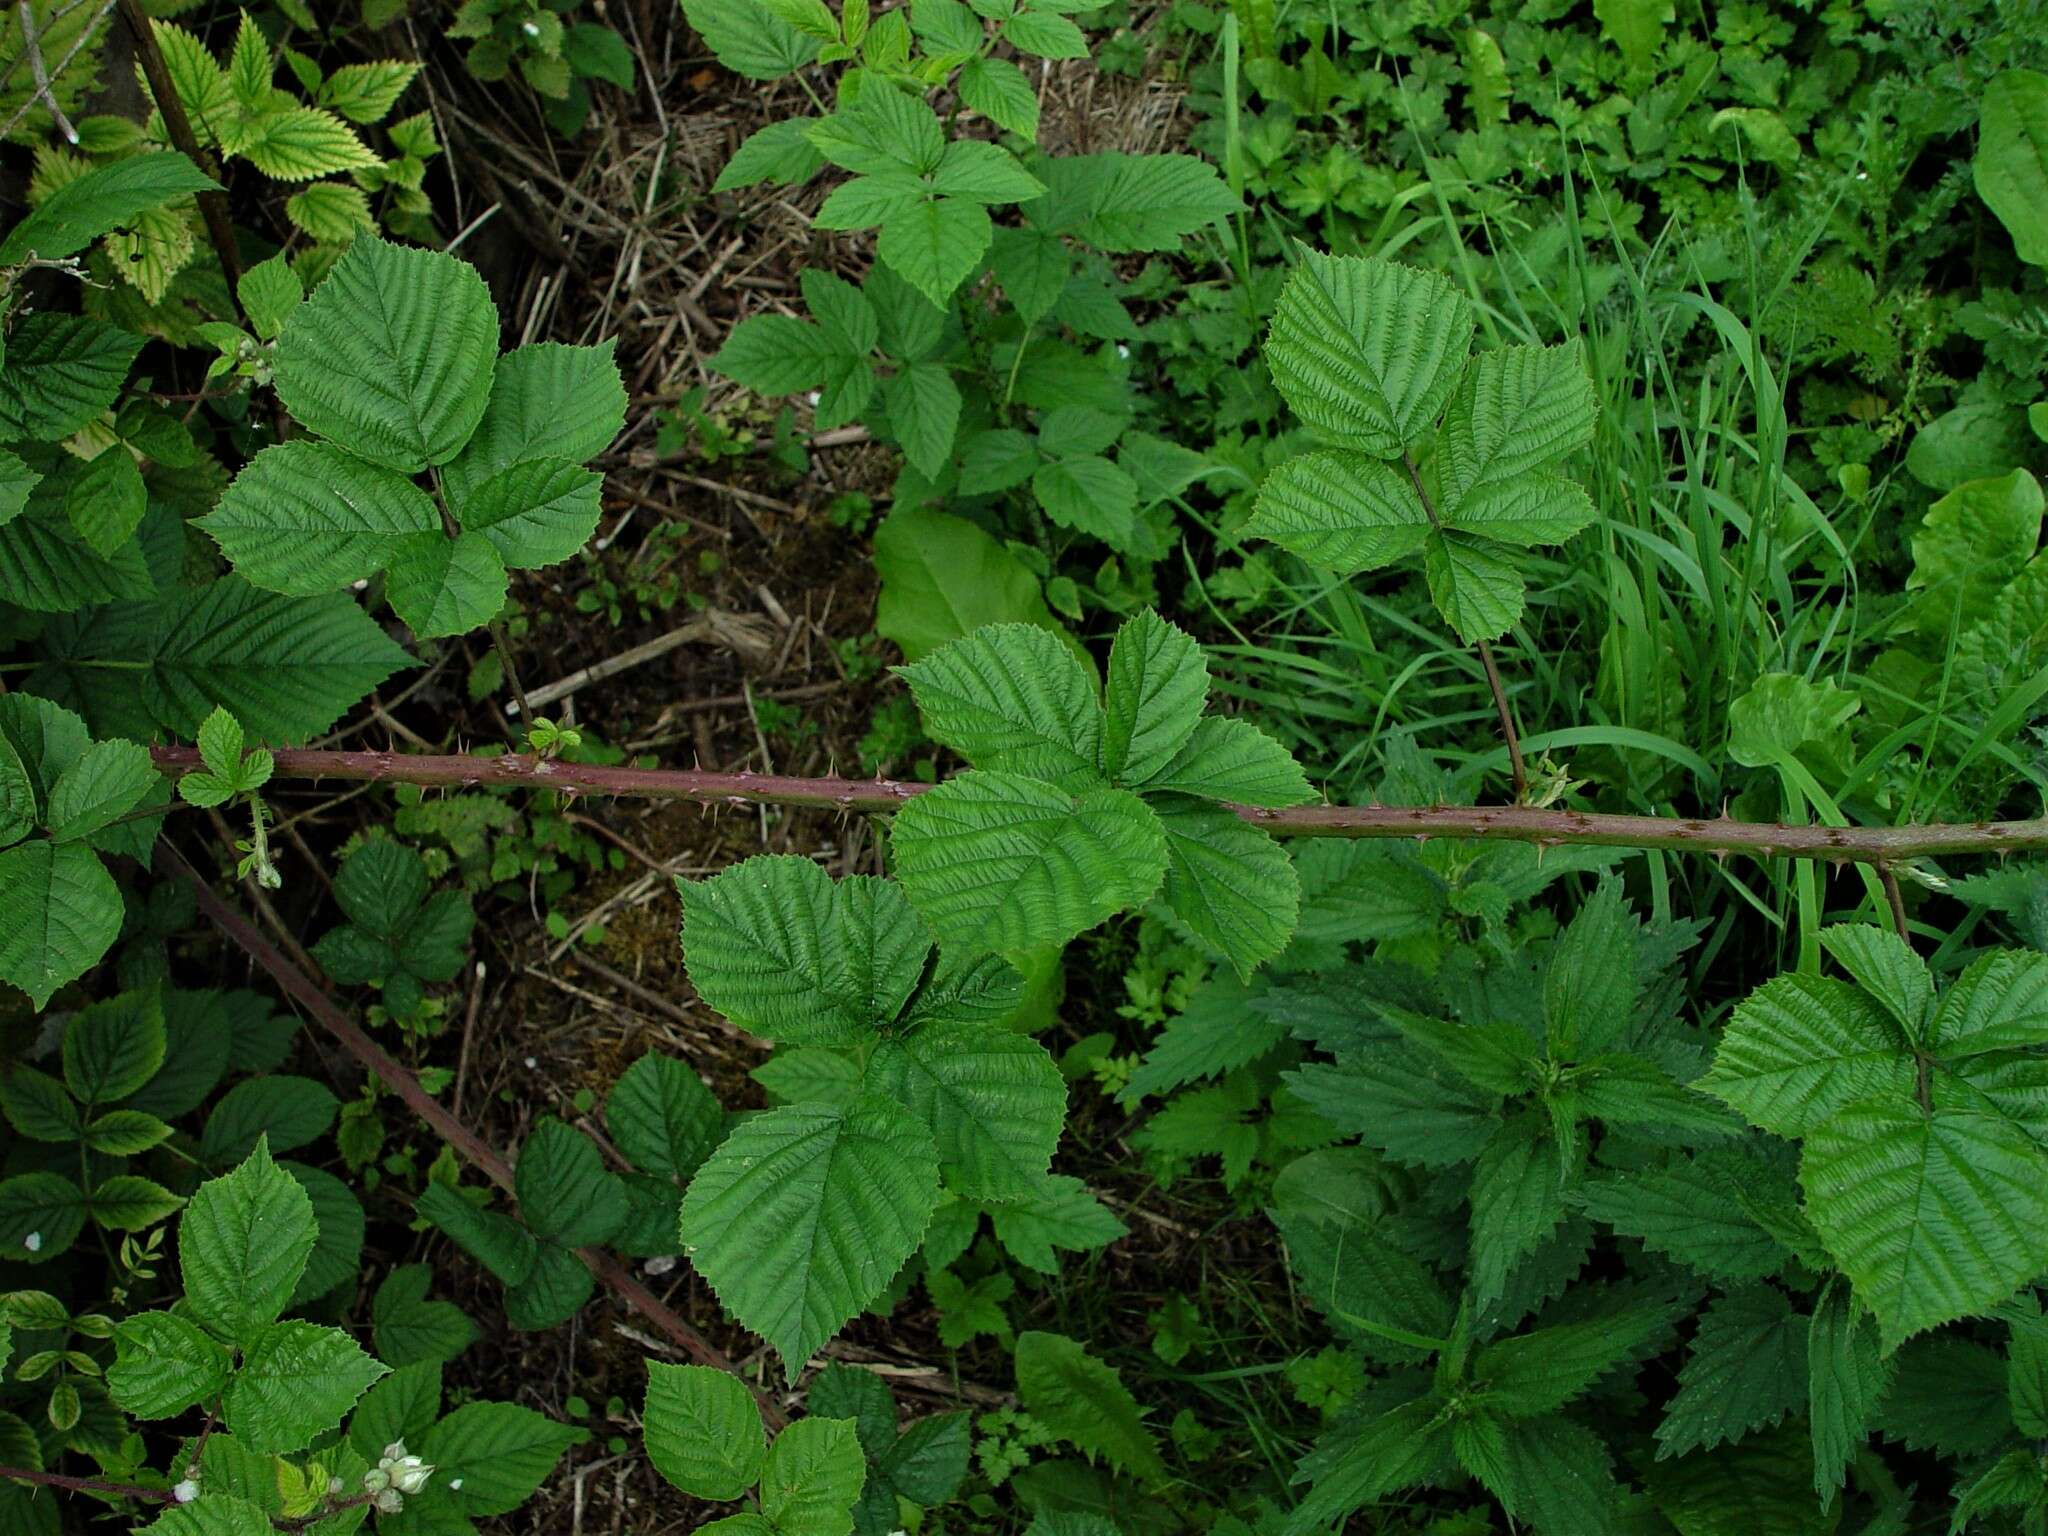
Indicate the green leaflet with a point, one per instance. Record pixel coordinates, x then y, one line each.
703 1430
2011 165
1371 355
1920 1161
1031 847
296 1380
997 862
242 1243
805 1214
994 1101
393 361
391 357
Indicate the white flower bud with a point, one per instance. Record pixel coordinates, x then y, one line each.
389 1500
33 1242
186 1491
530 28
335 1485
376 1480
395 1451
410 1474
455 1484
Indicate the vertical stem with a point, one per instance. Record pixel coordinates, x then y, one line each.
1500 693
512 675
1897 899
212 205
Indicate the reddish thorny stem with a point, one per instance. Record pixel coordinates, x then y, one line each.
1497 823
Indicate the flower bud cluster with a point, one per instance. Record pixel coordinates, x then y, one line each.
395 1475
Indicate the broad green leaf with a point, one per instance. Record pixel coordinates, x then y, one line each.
882 133
1800 1048
493 1239
1229 882
441 586
1374 1294
1690 1212
935 245
286 667
242 1243
303 517
1745 1370
501 1452
297 1380
104 199
128 1203
1153 696
1476 590
1531 509
337 1255
105 784
1084 1402
565 1191
1011 696
1090 493
703 1430
997 863
1235 761
944 577
1121 203
1062 1214
998 90
1366 351
806 1213
1391 1451
330 211
1340 511
391 357
547 401
812 1478
1999 1004
1560 1478
981 172
1932 1216
536 512
1517 1202
994 1102
554 1290
401 1406
365 93
60 911
924 411
1045 35
2011 164
409 1328
163 1365
125 1132
1783 713
1635 27
662 1117
107 500
41 1215
1884 965
59 372
213 1514
779 948
40 1107
1516 410
1970 546
779 154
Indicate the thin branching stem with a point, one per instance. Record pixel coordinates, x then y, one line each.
1491 823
